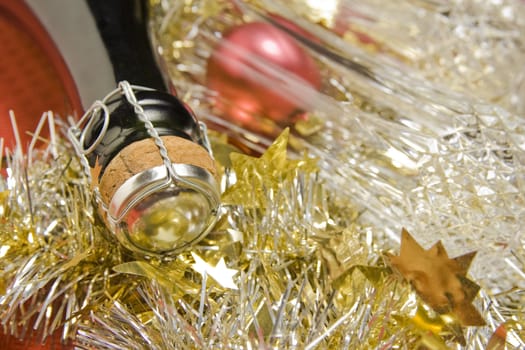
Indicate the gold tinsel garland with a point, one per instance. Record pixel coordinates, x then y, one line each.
278 270
424 154
302 257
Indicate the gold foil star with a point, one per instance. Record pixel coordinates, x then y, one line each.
440 281
256 177
220 272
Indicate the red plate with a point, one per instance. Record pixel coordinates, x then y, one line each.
33 75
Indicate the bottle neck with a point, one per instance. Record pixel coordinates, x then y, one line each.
123 28
169 116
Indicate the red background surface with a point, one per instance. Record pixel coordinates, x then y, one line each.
33 75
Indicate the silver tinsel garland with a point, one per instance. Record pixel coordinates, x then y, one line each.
299 256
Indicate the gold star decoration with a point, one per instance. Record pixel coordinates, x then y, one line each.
220 272
440 281
256 177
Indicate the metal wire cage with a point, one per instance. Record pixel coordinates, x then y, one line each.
159 210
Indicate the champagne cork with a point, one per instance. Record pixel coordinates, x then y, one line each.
148 213
144 154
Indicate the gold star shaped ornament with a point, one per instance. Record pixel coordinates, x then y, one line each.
256 177
440 281
220 272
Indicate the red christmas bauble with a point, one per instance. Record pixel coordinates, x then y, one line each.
248 90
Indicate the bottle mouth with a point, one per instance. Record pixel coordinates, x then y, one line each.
153 214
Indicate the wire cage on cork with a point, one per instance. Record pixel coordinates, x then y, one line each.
151 168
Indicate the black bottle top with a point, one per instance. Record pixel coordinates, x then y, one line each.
168 115
123 28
